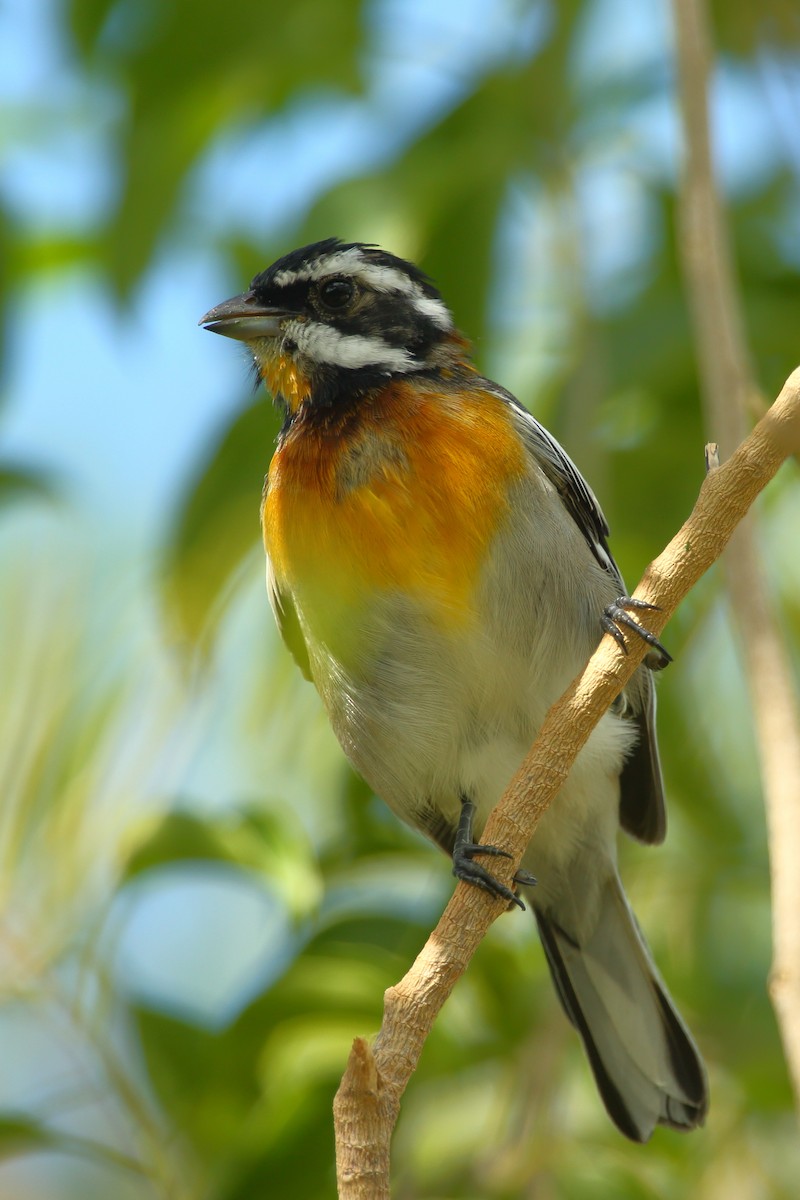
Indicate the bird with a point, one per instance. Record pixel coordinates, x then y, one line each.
440 570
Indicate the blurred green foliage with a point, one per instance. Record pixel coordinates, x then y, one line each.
157 1100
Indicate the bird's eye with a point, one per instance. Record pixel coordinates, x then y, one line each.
336 293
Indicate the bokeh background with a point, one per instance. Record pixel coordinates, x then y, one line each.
200 905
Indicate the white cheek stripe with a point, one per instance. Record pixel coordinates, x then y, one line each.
381 278
324 344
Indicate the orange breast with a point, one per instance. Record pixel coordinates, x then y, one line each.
416 513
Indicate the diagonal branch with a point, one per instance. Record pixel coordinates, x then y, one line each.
368 1101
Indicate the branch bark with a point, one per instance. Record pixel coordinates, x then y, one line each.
368 1101
730 394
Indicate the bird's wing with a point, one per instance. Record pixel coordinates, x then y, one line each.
642 807
577 497
288 621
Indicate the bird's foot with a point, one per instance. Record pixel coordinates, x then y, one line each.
465 868
616 617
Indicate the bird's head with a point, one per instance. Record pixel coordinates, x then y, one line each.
334 319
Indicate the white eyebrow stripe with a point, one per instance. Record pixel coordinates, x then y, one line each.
381 277
347 262
324 344
429 306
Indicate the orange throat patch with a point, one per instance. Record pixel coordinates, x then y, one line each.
284 380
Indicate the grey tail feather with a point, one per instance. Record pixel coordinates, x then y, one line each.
642 811
646 1066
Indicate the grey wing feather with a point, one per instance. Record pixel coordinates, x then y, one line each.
642 807
576 495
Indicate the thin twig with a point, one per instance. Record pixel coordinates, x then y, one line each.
729 391
368 1101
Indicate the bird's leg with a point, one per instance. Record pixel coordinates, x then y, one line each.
464 851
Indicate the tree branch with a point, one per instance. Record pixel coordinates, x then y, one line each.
368 1101
729 393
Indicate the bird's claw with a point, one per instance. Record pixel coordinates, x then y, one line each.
466 869
617 614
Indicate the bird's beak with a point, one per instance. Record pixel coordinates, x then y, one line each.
243 318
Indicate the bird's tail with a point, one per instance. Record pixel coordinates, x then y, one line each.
647 1068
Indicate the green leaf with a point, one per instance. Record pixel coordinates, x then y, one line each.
744 28
179 837
21 1134
272 844
86 19
298 1162
21 483
207 1081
